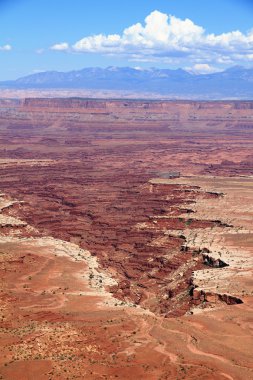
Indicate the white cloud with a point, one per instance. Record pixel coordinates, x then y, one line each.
5 48
60 47
166 38
202 68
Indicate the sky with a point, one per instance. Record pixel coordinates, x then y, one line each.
200 36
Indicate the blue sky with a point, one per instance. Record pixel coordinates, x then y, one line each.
201 36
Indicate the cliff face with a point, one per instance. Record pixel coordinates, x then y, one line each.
171 113
149 106
63 103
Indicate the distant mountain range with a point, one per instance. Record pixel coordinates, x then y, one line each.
233 83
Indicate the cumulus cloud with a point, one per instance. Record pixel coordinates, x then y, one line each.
60 47
5 48
202 68
166 38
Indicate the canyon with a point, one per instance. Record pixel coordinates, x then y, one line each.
126 239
